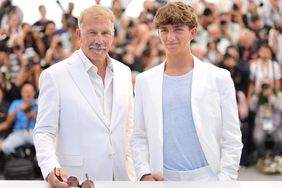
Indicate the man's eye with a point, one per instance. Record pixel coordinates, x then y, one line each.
92 33
178 29
106 33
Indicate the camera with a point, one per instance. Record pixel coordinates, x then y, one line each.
28 109
235 7
6 76
16 47
130 24
207 12
37 28
265 86
59 44
223 22
4 37
279 29
29 55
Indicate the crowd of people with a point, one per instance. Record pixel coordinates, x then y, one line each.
243 36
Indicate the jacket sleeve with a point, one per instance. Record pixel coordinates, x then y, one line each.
129 130
231 145
139 143
46 127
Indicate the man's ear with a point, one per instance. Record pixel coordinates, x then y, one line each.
193 33
78 33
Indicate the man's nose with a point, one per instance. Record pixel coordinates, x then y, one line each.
171 35
99 39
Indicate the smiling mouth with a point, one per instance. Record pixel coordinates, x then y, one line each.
97 50
97 47
171 45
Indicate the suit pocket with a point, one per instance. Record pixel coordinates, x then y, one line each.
71 160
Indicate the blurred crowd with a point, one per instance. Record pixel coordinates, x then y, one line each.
243 36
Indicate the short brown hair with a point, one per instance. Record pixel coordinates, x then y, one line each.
96 11
176 13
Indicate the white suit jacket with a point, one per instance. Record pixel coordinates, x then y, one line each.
215 115
71 131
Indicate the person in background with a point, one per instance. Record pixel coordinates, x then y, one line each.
21 115
4 106
40 24
264 100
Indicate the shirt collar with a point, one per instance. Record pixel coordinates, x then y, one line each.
89 65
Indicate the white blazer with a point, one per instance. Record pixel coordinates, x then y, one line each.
71 132
215 115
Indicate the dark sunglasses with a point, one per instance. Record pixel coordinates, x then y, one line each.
73 181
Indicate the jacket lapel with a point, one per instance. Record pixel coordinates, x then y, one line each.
116 94
157 87
198 89
82 81
199 79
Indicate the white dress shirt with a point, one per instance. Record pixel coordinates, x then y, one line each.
103 88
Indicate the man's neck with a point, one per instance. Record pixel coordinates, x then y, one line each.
179 65
101 66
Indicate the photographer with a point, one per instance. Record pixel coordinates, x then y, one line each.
268 125
55 52
270 12
21 114
263 98
275 41
4 105
229 29
41 23
9 89
30 68
264 68
217 44
4 60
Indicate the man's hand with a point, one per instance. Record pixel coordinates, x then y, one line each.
57 178
152 177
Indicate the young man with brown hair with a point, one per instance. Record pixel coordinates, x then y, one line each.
186 119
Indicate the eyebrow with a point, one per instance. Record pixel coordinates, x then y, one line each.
177 26
174 26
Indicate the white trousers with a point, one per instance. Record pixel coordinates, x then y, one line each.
200 174
15 139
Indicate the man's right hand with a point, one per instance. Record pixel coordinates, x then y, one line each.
57 178
152 177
